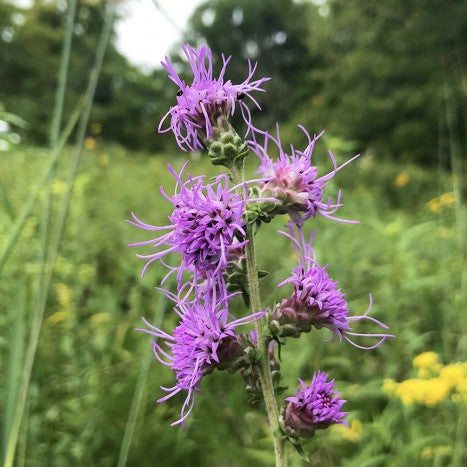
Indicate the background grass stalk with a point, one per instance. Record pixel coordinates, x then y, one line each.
54 134
62 74
39 311
34 194
139 388
267 386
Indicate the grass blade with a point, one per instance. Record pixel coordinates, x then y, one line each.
139 390
57 233
62 74
15 360
27 209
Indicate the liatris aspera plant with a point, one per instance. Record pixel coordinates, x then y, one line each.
211 230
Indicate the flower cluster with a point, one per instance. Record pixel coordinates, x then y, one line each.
294 181
207 99
203 340
434 383
206 225
210 229
316 300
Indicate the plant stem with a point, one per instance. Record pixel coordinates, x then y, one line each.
264 369
62 74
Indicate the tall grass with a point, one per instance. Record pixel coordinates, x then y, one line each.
45 276
83 401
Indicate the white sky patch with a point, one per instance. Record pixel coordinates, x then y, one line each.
144 35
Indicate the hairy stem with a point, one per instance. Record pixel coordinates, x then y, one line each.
264 368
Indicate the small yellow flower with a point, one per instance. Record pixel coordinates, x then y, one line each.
64 295
445 232
401 180
350 433
59 187
456 375
434 205
99 318
90 143
427 364
354 432
58 317
389 386
447 199
427 453
442 450
103 160
429 392
96 128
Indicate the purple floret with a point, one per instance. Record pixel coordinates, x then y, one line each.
317 300
202 341
294 181
206 224
201 103
313 407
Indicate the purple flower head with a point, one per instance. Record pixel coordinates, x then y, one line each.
203 226
203 340
317 300
201 103
313 407
293 180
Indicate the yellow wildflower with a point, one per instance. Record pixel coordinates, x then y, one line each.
442 450
90 143
350 433
427 364
96 128
445 232
64 295
103 160
447 198
456 375
389 386
401 180
434 205
429 392
99 318
59 187
58 317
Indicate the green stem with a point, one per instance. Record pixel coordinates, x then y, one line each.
264 369
62 74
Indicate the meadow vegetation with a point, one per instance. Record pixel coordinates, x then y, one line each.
94 384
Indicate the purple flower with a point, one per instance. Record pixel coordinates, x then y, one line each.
313 407
203 227
294 181
203 340
201 103
317 300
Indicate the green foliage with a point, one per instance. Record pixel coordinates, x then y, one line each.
382 75
127 102
89 357
385 71
273 33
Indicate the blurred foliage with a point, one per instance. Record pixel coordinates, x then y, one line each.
127 103
89 357
383 75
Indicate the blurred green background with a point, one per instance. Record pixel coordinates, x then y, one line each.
78 385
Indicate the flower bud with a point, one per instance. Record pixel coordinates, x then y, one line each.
225 147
